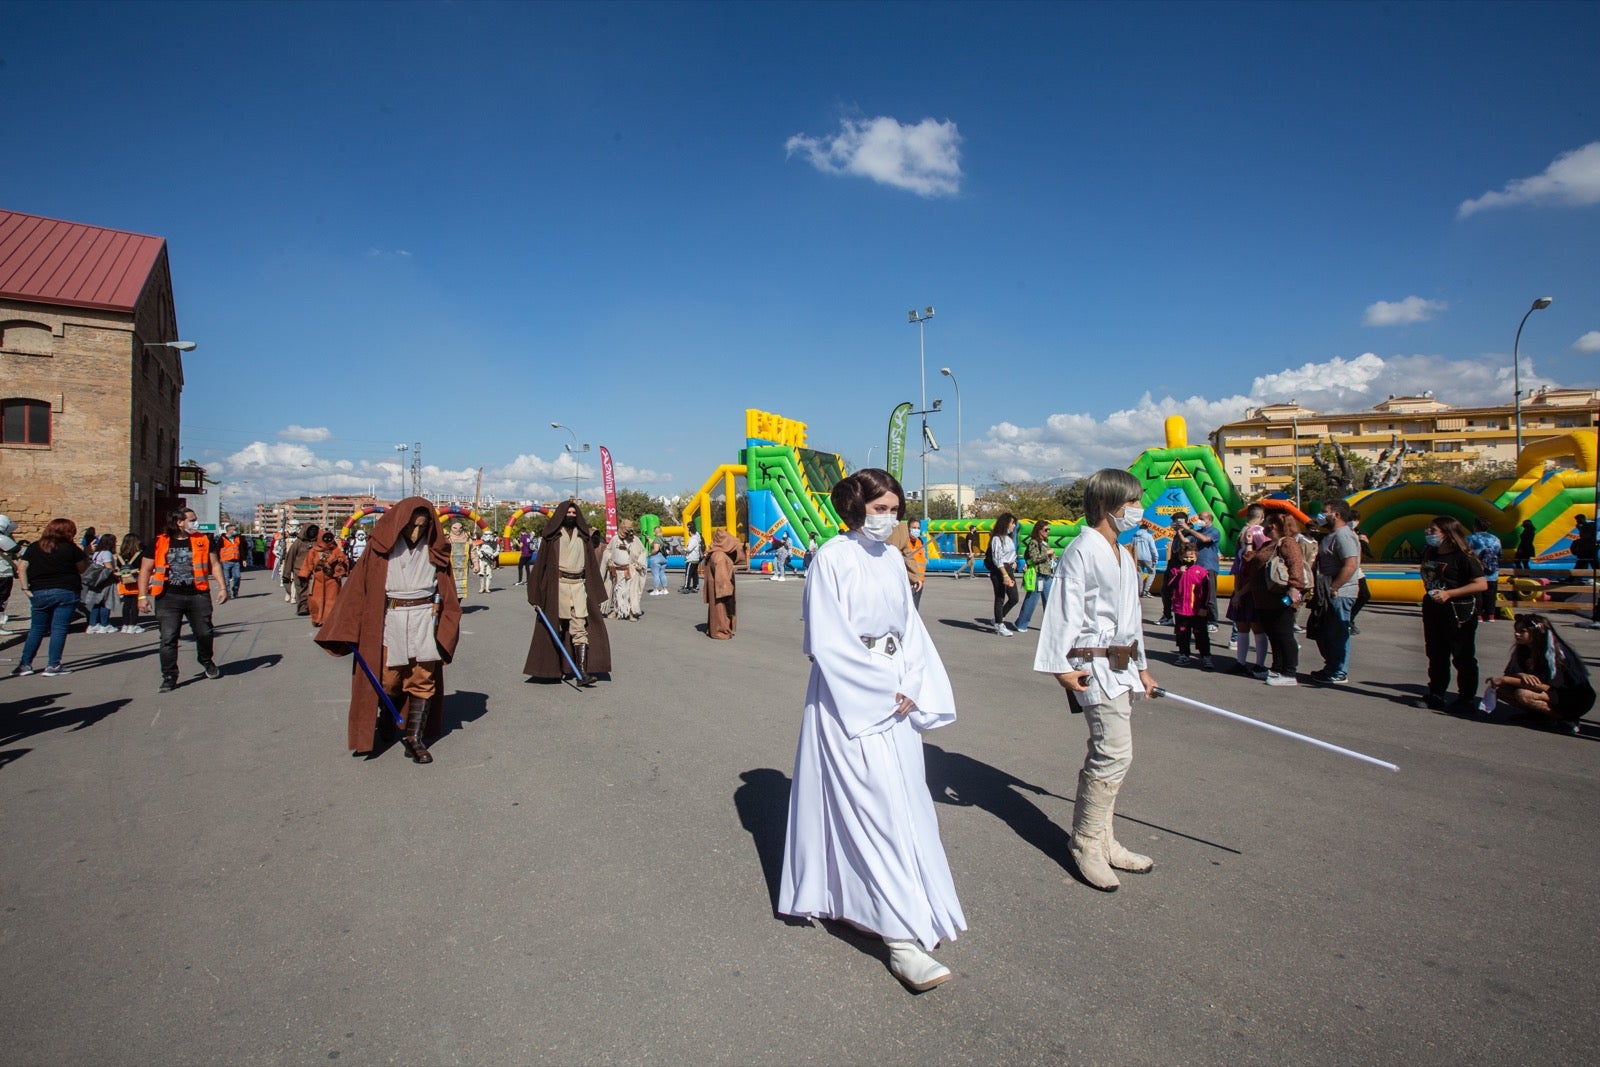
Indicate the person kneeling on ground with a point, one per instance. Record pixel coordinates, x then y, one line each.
1543 676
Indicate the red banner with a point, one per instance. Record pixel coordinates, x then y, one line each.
608 478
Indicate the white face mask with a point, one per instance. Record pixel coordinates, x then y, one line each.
879 527
1131 516
916 531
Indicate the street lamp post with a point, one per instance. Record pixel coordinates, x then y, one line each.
181 346
919 318
402 449
946 372
575 451
1516 371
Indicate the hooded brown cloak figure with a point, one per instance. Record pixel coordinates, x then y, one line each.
329 566
560 588
360 617
724 556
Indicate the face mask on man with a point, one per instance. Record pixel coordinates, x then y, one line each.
879 527
191 525
570 522
1131 516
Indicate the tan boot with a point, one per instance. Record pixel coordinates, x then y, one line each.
1121 858
1091 820
918 970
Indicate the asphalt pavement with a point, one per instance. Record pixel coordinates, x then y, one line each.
208 876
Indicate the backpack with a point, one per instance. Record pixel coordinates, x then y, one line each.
1277 573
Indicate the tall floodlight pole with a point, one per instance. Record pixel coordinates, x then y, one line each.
922 373
1516 371
946 372
573 450
402 449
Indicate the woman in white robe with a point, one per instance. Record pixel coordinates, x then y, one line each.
863 840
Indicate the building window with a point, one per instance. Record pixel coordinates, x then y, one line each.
24 422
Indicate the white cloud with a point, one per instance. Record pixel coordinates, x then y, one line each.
1589 342
1573 180
1079 443
925 158
278 470
305 433
1402 312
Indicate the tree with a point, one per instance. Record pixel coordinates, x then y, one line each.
940 506
1026 500
1070 496
631 503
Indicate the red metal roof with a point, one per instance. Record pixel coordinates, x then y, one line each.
48 261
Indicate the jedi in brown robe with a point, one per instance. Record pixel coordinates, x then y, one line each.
725 555
586 638
329 566
358 619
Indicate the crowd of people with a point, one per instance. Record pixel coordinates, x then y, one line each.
862 842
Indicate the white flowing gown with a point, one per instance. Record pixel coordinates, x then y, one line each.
863 841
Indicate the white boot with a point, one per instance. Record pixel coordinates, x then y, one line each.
1121 858
915 967
1091 822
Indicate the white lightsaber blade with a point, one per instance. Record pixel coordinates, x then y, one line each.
1278 730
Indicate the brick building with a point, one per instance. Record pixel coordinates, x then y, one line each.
89 385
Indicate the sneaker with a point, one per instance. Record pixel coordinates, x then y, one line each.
1433 701
1260 672
1212 628
212 671
1165 620
1329 677
136 629
168 685
1206 664
1240 668
21 671
1001 629
1183 661
1281 679
56 671
1019 629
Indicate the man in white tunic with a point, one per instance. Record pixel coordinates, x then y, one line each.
863 840
1093 642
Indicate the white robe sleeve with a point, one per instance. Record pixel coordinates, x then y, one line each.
860 686
1064 615
926 681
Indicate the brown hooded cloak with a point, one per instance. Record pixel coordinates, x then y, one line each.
544 584
357 618
725 554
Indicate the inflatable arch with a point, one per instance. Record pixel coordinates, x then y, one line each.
362 515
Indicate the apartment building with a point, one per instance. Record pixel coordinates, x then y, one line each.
331 510
1261 451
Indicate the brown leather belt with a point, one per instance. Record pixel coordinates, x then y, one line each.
576 576
413 602
1119 656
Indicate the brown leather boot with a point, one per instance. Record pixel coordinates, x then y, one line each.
583 666
416 715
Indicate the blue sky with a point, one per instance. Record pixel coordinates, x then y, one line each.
456 223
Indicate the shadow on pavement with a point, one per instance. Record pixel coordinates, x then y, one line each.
962 624
245 666
20 719
462 708
965 782
763 807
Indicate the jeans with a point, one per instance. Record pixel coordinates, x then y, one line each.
658 572
1450 642
1334 640
100 615
171 609
1005 596
1033 600
52 612
230 577
1277 622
